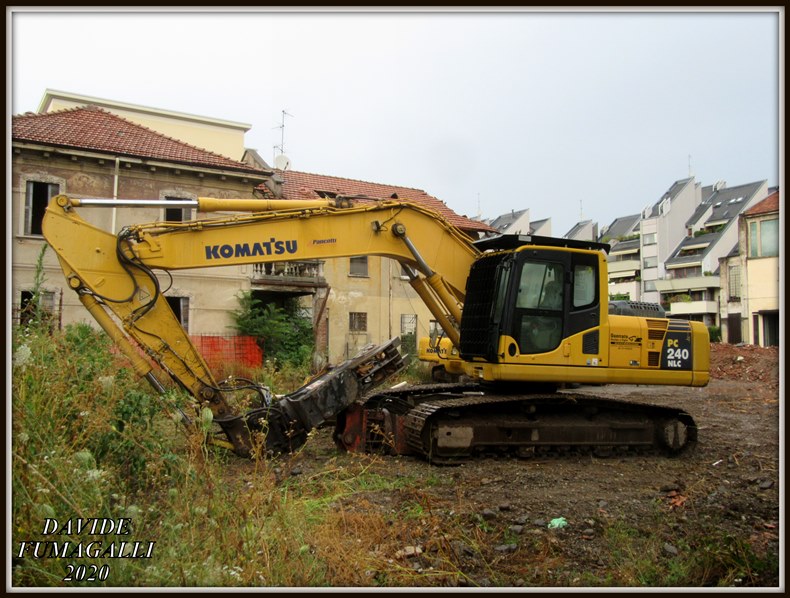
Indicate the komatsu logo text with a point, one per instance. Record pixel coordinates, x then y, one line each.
270 247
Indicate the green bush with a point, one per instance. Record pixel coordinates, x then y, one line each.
283 333
408 344
715 334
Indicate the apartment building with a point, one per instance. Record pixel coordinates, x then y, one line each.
541 228
661 229
691 285
586 230
625 265
514 223
518 222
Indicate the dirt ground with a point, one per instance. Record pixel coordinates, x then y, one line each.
492 517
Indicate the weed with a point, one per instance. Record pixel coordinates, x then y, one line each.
714 559
91 440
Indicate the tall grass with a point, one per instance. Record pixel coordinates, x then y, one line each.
90 440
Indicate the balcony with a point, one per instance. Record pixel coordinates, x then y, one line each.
624 265
631 288
692 283
297 275
686 308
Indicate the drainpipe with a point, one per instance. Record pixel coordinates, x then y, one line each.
115 191
389 299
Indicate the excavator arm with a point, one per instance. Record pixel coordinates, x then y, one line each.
117 278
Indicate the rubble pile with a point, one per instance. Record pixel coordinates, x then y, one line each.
745 362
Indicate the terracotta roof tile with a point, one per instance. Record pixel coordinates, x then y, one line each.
92 128
769 204
303 185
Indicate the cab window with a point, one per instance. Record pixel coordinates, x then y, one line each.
583 286
540 286
539 307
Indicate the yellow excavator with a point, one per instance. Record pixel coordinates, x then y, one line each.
521 317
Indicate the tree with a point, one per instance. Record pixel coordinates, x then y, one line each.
284 334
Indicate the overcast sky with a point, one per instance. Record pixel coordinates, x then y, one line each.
574 115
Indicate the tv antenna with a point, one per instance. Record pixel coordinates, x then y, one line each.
281 147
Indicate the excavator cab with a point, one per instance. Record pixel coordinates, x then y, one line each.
534 291
537 311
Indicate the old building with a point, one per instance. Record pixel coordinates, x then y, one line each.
369 298
215 135
90 152
749 307
87 147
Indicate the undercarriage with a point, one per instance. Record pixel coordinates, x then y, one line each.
450 423
454 422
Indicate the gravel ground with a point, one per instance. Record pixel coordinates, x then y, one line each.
628 520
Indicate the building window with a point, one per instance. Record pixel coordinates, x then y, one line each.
650 285
734 283
764 238
37 196
688 252
358 266
357 321
408 324
177 214
649 239
685 272
180 307
650 262
408 332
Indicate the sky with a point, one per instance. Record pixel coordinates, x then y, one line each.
574 115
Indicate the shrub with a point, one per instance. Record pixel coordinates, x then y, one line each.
284 334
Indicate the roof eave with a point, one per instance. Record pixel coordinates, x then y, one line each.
134 159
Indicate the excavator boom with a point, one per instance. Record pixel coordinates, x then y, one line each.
115 276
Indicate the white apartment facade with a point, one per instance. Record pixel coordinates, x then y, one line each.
662 228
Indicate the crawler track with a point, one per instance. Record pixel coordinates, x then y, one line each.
451 423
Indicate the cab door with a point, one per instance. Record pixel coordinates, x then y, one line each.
555 295
539 299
